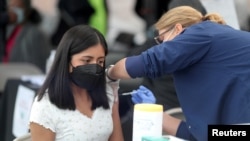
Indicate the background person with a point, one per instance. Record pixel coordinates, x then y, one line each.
210 63
75 101
25 41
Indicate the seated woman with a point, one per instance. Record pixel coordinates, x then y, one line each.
76 101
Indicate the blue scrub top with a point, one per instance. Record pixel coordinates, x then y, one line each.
211 67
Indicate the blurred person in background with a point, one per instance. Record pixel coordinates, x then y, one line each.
193 3
25 41
3 20
7 17
71 13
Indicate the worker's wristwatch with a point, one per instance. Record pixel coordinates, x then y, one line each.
107 73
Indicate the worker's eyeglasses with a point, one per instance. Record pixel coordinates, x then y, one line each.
159 39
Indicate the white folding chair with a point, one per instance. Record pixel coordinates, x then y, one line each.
16 70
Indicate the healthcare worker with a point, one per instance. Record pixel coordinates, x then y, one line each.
210 62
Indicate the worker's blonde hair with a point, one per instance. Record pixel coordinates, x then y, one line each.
186 16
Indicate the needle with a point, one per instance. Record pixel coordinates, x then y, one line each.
127 93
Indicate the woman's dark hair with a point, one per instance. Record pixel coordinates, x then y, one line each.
57 83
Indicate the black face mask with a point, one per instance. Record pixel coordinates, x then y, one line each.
87 76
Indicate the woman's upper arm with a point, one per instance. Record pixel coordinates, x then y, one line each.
117 134
112 92
40 133
42 122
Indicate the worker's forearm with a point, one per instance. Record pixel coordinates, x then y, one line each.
118 71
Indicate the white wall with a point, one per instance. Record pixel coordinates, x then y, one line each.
226 8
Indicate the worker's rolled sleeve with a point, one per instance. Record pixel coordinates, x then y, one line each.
134 66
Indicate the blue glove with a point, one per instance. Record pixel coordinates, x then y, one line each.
143 95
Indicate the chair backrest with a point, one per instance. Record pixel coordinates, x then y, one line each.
26 137
176 112
16 70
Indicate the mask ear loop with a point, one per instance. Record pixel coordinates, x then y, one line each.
169 35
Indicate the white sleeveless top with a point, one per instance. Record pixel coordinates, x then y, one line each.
71 125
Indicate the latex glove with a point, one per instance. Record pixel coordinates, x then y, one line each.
143 95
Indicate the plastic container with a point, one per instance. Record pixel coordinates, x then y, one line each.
147 120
